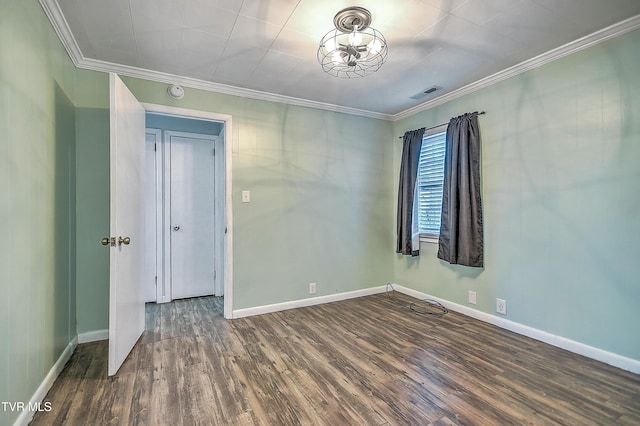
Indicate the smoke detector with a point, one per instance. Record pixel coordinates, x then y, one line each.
175 91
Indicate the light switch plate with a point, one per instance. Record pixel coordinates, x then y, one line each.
246 196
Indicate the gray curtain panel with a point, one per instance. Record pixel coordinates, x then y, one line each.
461 228
411 145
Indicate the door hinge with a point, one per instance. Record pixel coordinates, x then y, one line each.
215 274
155 146
156 280
214 152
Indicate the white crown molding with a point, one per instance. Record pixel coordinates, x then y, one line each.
60 25
560 52
160 77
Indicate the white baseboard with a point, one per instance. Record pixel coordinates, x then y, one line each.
277 307
610 358
25 417
93 336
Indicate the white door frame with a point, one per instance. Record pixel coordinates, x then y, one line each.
157 188
226 144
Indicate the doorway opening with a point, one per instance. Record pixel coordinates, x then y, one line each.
127 242
188 205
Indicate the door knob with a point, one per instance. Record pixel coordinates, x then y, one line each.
106 241
125 241
176 228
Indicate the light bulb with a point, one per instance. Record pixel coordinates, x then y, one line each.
374 46
355 38
330 45
336 58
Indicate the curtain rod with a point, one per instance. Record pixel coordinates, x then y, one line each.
433 127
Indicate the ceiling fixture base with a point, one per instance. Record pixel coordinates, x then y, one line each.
352 17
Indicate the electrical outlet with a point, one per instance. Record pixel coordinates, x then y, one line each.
312 288
472 297
501 306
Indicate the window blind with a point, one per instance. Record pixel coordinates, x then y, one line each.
429 183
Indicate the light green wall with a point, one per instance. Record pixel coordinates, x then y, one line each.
320 184
561 188
37 201
92 172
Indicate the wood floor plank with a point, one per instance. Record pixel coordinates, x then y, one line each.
368 361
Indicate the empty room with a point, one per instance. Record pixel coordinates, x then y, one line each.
300 212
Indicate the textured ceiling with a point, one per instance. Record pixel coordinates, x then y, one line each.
270 45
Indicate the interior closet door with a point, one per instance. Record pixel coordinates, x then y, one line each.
192 212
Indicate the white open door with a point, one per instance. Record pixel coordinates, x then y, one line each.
126 296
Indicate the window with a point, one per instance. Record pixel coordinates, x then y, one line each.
429 183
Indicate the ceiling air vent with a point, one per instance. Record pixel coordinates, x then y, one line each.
424 93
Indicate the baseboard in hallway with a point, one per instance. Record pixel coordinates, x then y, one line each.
93 336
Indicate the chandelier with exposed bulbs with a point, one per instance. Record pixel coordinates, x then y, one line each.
353 49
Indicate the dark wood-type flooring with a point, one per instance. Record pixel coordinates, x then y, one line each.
364 361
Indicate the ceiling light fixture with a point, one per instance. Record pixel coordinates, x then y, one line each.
353 49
